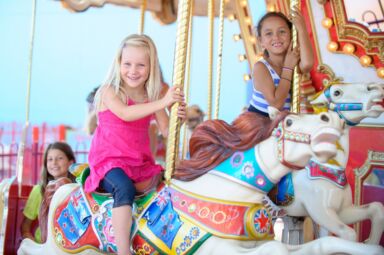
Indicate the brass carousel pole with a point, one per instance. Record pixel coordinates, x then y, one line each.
219 59
20 152
308 231
188 78
295 106
142 16
211 16
183 15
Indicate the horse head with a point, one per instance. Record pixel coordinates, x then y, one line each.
352 101
300 137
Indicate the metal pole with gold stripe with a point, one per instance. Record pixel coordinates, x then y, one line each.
188 79
295 106
219 59
142 16
211 16
184 10
20 152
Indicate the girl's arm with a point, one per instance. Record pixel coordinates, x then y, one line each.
26 227
162 118
306 52
133 112
262 81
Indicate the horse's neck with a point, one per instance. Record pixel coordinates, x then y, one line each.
214 186
342 155
267 154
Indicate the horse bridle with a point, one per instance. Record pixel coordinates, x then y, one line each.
282 135
340 107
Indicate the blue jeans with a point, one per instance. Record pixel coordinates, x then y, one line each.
120 186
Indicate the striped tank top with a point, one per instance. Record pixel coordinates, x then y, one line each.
258 102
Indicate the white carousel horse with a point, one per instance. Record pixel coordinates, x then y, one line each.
327 202
208 209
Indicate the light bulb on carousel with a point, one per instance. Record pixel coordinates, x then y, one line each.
271 7
365 60
349 48
231 17
332 46
327 22
236 37
242 57
247 77
259 56
380 72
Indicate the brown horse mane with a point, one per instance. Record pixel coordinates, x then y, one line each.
213 141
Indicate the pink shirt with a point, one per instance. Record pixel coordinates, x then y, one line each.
123 144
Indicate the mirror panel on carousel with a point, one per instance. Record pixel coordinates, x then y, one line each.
369 186
369 13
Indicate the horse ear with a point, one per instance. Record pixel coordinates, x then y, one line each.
318 99
273 112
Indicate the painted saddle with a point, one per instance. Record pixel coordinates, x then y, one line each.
168 220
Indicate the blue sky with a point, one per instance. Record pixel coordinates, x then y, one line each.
73 51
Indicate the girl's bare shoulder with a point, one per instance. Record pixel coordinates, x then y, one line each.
259 67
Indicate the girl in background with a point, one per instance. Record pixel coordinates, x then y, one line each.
56 160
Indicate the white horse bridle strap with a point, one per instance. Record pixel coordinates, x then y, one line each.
342 107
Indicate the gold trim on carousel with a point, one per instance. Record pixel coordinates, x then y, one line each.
374 158
244 18
327 70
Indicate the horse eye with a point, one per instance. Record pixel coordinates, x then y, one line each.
324 118
288 122
337 93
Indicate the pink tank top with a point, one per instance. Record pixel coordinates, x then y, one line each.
123 144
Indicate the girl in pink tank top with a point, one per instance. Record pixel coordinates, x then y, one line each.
120 156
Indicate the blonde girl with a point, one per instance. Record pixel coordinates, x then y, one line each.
120 157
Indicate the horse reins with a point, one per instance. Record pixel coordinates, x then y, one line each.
281 136
339 107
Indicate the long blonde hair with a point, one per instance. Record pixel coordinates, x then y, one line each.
152 85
